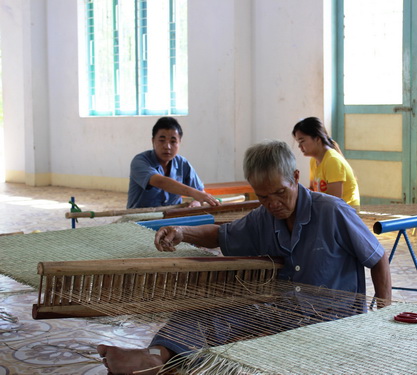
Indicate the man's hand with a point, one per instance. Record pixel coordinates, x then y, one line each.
167 238
203 197
194 203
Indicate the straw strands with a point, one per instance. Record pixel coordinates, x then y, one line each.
250 318
372 343
21 254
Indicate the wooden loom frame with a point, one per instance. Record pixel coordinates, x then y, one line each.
71 288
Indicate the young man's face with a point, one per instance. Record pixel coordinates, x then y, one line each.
278 195
166 144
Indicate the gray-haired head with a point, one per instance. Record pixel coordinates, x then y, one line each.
268 158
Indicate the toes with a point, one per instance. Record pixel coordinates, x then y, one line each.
102 350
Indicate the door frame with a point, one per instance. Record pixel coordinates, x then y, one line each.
408 156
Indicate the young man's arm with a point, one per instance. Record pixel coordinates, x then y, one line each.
174 187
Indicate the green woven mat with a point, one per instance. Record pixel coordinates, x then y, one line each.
20 254
372 343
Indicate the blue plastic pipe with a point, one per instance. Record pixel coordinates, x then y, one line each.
186 220
395 224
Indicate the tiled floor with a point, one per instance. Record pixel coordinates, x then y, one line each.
29 209
55 346
67 346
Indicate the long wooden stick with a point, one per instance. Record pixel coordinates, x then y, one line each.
11 234
145 265
226 207
128 211
177 210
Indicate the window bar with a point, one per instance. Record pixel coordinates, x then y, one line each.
116 57
172 54
136 41
90 53
142 62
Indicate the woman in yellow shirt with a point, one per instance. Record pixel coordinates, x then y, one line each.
330 173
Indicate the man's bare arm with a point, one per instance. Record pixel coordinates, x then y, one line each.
381 278
174 187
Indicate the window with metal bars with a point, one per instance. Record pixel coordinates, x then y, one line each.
136 57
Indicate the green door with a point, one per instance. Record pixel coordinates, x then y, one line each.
375 122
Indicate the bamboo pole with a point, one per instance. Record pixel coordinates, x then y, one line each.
11 234
128 211
233 199
226 207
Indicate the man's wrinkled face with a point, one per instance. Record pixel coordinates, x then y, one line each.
278 195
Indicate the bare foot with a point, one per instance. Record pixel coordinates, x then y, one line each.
128 361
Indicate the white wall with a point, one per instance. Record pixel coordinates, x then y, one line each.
13 88
255 68
288 68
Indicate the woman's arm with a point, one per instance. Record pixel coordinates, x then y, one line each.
335 188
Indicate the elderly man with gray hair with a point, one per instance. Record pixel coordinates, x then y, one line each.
320 238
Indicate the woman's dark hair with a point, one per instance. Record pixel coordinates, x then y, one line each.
167 123
313 127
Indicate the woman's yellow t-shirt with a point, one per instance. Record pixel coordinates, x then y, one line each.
334 168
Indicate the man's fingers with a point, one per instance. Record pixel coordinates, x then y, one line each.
167 246
164 239
212 201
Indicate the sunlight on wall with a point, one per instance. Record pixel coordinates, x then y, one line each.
373 60
2 165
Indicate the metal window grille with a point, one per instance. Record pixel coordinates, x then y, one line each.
137 57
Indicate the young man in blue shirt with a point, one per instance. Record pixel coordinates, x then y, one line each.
160 177
320 238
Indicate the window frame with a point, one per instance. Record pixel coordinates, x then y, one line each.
139 105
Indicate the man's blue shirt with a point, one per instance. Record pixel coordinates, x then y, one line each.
329 245
144 166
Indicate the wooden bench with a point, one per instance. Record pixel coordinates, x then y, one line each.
229 188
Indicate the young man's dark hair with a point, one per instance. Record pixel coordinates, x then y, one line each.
167 123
